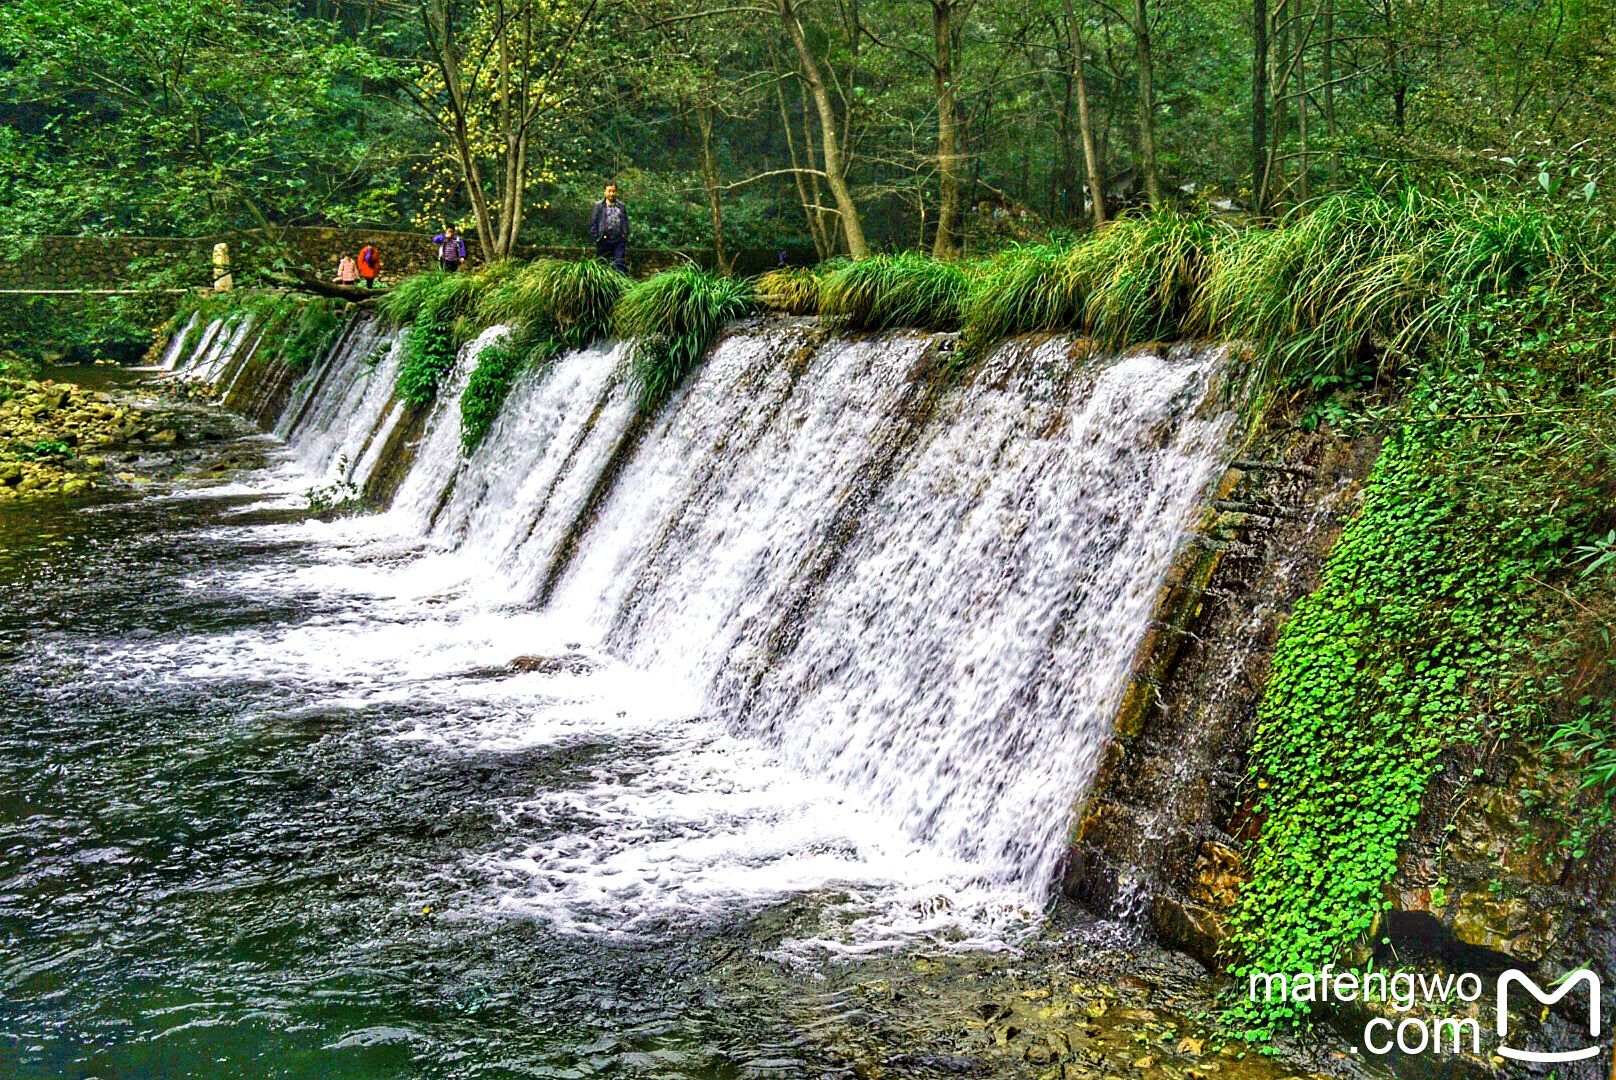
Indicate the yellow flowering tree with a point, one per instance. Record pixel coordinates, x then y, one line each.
499 83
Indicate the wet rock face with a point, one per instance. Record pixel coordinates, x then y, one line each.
1161 831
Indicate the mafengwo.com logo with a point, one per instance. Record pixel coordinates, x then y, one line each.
1421 1033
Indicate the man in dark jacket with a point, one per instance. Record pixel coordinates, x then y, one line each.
609 227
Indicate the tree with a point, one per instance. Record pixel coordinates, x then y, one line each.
501 75
173 115
830 143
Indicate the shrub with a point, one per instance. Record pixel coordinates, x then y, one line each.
886 292
676 315
793 291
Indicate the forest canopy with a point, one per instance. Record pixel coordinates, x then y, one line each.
839 126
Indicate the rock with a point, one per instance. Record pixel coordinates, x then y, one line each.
1219 873
567 664
165 437
1195 929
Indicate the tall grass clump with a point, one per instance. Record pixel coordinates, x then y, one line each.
573 298
1137 277
1315 295
789 291
675 316
1358 285
553 305
1018 291
888 292
1494 248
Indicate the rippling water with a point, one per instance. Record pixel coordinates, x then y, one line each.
215 864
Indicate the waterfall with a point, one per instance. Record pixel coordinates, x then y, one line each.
961 665
732 490
330 429
525 485
176 345
902 606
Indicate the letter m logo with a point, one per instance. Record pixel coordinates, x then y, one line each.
1514 976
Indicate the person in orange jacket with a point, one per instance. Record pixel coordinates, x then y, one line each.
370 264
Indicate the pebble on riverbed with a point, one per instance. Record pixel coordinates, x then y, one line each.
47 430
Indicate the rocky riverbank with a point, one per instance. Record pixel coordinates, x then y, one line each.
60 438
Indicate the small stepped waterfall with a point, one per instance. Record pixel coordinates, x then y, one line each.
918 596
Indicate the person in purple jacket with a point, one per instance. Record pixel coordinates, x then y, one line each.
608 225
451 249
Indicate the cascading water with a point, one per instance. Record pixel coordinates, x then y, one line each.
527 480
837 623
732 492
331 429
961 666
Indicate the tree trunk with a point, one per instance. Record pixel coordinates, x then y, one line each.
1085 122
1278 68
440 36
1303 190
797 166
1329 89
816 164
709 175
835 167
1259 105
948 157
1147 103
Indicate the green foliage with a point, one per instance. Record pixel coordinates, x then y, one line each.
15 366
792 291
1138 275
498 366
431 304
1365 282
675 316
300 328
41 450
1451 610
574 298
311 333
175 115
1594 741
1132 281
888 292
